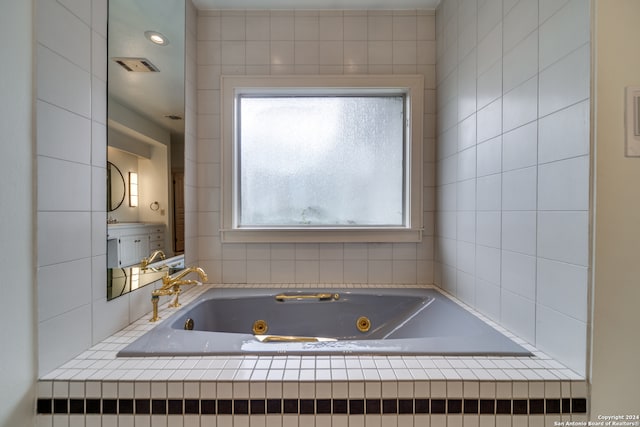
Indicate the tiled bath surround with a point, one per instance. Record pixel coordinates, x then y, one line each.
512 196
71 230
98 389
309 42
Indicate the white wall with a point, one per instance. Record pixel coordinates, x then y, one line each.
513 166
18 365
615 373
309 42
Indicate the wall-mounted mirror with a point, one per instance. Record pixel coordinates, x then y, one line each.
145 138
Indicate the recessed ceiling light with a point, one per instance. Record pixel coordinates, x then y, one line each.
156 38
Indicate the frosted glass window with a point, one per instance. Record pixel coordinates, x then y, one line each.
321 161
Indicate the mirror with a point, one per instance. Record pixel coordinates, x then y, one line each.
145 138
115 187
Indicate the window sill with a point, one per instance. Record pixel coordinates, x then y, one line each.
321 235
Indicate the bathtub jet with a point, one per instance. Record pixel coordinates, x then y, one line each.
323 322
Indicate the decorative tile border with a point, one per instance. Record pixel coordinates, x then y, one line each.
313 406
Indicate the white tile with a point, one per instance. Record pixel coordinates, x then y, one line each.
468 37
466 228
426 27
521 20
62 32
355 52
519 147
62 134
63 186
490 157
306 28
283 271
355 27
99 56
404 272
489 15
565 31
232 27
448 170
488 264
63 236
466 257
564 185
62 83
258 271
489 85
488 193
446 197
466 287
404 52
466 164
519 231
550 7
489 48
448 252
562 337
380 52
234 271
563 287
564 236
58 294
519 189
466 194
490 121
233 52
331 27
521 63
63 337
564 134
467 86
208 53
519 274
565 82
257 53
520 105
518 315
467 133
380 27
331 53
380 271
404 27
331 271
257 27
99 16
306 52
108 317
282 52
488 229
447 143
98 144
488 299
307 271
98 100
282 27
448 89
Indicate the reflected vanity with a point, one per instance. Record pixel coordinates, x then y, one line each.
145 141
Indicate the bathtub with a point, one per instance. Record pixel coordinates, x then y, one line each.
323 322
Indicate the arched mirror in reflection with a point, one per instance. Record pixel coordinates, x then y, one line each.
145 138
115 187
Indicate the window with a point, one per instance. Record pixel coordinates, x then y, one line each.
322 158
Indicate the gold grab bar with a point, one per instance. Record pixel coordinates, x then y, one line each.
319 296
291 338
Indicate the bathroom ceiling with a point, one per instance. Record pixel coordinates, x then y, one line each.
315 4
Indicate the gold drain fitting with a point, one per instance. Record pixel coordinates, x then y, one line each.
188 324
363 324
260 327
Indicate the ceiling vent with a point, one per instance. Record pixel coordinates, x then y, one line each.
137 65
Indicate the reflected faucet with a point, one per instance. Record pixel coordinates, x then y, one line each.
171 286
155 254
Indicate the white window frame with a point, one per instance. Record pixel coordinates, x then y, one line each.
411 85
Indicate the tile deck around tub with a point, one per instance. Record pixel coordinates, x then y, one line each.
97 388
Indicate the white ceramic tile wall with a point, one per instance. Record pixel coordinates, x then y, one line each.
316 42
71 156
516 89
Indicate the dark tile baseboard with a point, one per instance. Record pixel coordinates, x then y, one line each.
312 406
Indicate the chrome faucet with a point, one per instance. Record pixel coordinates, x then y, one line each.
171 285
155 254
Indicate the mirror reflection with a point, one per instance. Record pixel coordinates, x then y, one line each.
115 187
145 141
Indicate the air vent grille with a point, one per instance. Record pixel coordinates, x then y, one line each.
137 65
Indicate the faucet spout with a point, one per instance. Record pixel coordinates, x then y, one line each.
171 285
155 254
